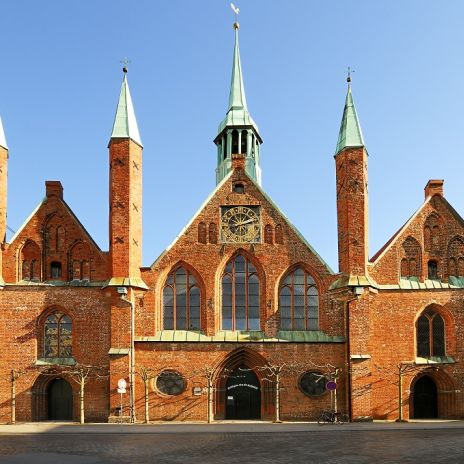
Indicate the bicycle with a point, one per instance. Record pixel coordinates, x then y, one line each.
329 416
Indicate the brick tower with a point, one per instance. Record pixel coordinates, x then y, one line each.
125 149
3 194
352 198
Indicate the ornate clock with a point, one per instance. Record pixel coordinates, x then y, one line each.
240 224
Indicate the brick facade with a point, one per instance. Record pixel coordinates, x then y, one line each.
368 321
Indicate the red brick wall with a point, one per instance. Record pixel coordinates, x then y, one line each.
125 208
352 210
21 342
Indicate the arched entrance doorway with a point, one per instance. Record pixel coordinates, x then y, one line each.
59 394
243 395
425 398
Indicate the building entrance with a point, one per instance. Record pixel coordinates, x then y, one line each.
243 395
59 400
425 399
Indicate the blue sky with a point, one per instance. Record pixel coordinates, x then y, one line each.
61 76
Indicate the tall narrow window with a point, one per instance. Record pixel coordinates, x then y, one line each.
430 334
202 232
58 336
181 301
55 270
432 268
240 295
235 141
299 302
244 142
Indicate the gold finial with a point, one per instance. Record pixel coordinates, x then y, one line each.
348 77
124 63
236 12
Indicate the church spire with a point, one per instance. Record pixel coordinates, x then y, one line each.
350 130
2 136
238 133
237 99
125 123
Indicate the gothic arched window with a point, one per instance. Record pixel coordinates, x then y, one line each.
181 301
240 295
299 302
430 334
58 336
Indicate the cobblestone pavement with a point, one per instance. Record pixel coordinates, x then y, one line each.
316 445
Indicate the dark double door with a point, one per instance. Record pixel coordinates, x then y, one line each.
243 395
425 399
59 400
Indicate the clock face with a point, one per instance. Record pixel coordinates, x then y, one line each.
240 224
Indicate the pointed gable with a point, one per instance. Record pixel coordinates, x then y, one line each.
423 243
67 251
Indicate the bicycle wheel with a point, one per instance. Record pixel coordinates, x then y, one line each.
343 419
324 418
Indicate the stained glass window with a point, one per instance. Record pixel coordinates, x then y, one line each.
313 383
299 302
58 336
240 295
181 301
170 383
430 334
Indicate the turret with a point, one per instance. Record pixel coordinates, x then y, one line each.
352 193
238 133
125 150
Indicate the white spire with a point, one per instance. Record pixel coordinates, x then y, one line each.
125 124
2 136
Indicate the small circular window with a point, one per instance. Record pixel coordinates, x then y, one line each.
313 383
170 383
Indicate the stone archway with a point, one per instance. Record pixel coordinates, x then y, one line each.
52 399
252 400
243 395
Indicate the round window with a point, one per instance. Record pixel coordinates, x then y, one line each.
313 383
170 383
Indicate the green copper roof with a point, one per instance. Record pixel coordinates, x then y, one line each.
125 124
237 114
2 136
350 130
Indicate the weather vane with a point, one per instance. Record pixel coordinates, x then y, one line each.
348 78
124 63
236 11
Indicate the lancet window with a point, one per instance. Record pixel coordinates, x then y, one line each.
240 295
181 301
299 302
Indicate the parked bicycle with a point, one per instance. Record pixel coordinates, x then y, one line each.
329 416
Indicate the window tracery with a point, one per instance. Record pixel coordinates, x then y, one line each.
181 301
430 334
299 302
240 295
58 336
